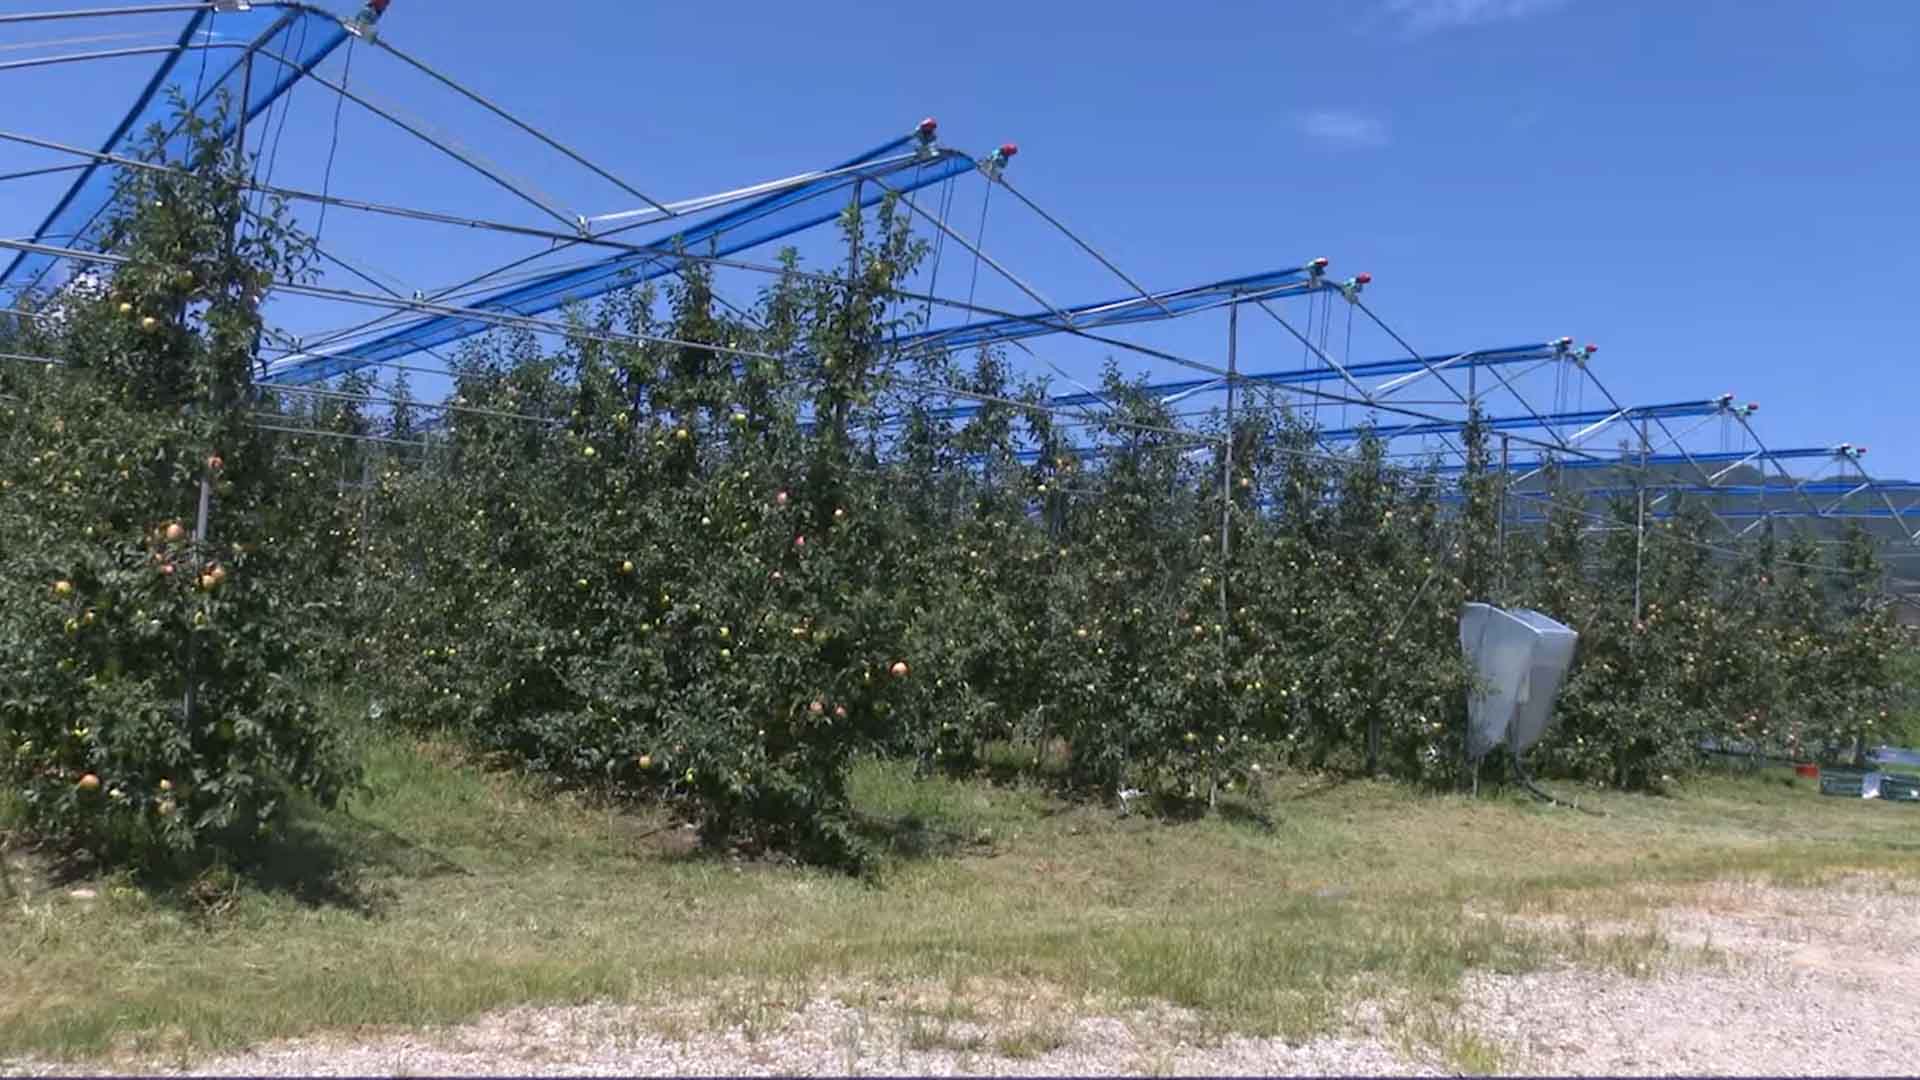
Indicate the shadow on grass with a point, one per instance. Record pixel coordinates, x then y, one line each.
314 857
328 858
914 836
1320 786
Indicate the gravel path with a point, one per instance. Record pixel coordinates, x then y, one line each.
1810 983
1817 983
823 1038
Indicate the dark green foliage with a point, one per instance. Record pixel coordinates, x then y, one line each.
676 556
112 612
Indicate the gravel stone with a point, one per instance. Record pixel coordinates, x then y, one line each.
1816 983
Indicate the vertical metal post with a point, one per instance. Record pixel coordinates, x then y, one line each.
853 240
366 502
1226 467
199 567
202 513
1500 588
1226 503
1640 531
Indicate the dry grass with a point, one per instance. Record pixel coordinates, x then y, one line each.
450 891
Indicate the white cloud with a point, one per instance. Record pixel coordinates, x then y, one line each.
1343 128
1423 15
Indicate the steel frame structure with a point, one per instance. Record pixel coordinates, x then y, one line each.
721 228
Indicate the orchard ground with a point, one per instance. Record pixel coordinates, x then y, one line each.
448 890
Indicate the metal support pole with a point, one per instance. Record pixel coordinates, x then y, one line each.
202 513
1640 530
199 541
1500 589
1226 469
366 503
853 240
1226 500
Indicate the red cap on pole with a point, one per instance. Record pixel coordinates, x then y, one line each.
1592 348
1363 278
928 126
1007 150
379 6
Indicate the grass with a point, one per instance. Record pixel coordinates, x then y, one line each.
448 890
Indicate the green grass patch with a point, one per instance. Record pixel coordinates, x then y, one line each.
447 889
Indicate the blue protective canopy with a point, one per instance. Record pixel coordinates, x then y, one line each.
1818 487
1497 423
296 38
1130 309
1634 460
1512 354
1580 418
765 219
1865 513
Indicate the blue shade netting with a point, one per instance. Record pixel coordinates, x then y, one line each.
252 57
1579 418
1714 457
1132 309
1300 376
892 166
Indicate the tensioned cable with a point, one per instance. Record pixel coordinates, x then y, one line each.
200 80
537 324
339 106
285 103
1196 441
1346 352
1548 497
939 248
322 433
979 239
47 171
88 39
940 388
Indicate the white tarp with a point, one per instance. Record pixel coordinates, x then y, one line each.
1520 659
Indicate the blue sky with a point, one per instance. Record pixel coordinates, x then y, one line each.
1718 193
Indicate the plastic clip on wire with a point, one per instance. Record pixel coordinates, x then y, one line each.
362 25
996 162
